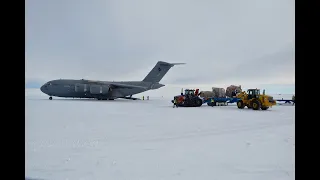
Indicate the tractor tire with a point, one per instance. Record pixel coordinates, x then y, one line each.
264 108
255 104
198 102
240 104
187 103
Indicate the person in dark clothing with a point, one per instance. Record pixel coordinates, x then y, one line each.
175 103
293 100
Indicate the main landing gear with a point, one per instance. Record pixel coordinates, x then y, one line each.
50 98
105 99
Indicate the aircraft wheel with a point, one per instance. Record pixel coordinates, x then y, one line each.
50 98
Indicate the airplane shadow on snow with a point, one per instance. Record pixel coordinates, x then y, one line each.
87 100
95 100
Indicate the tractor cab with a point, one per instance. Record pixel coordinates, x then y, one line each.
189 92
253 93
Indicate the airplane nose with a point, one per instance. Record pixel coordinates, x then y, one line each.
43 89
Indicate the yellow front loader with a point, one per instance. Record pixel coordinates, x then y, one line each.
254 100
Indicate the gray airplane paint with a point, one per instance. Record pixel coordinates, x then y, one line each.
70 88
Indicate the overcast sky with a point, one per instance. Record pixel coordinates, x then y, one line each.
223 42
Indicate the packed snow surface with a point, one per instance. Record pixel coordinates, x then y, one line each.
146 140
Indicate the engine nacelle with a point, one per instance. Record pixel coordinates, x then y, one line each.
99 89
81 87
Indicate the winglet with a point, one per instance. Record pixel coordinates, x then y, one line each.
172 64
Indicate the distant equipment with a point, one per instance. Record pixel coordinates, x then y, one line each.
289 101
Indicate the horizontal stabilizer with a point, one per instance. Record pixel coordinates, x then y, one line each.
177 63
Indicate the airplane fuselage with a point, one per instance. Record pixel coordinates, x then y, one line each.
83 88
70 88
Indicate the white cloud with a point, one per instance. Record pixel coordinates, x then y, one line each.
222 42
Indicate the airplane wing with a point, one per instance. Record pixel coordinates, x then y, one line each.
119 85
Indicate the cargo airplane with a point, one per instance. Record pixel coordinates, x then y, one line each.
107 90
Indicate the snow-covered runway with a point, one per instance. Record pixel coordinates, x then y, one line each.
144 140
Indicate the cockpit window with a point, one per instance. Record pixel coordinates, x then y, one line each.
49 84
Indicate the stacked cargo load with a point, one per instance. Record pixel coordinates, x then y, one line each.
218 92
206 94
232 90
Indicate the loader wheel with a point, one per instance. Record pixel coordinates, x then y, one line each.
255 105
240 104
264 108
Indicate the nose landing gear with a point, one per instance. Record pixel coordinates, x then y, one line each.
50 98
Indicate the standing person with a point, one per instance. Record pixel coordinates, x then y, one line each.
293 100
175 103
212 101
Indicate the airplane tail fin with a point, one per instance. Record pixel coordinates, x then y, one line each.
159 71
